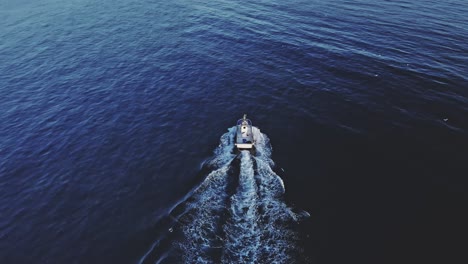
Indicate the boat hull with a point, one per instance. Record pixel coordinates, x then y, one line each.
244 135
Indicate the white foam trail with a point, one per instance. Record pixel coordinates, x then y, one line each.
202 228
203 216
251 226
241 230
276 217
223 154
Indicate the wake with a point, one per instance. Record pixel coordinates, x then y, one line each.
237 215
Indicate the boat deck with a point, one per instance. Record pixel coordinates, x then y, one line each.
244 136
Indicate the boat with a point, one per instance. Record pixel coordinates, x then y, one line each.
244 134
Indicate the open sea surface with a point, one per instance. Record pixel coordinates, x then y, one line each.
117 124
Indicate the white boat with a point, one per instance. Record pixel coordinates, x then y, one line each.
244 134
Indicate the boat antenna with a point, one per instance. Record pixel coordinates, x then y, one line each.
245 116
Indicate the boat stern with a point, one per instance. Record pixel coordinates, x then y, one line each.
244 146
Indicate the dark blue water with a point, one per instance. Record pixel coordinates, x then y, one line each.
111 111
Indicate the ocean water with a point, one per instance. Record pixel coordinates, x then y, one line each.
117 120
